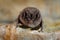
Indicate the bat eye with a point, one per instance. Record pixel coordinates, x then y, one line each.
31 15
36 15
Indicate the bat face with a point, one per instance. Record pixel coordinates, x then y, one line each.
30 16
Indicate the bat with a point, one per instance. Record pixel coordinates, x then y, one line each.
30 17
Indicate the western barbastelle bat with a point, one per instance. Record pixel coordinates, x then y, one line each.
30 17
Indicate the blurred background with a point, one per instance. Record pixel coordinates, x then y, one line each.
50 11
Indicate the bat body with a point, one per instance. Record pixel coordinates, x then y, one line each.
30 17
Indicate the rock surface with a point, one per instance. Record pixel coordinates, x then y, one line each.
10 32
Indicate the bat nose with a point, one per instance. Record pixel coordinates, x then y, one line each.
31 21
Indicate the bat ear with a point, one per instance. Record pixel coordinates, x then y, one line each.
41 24
18 19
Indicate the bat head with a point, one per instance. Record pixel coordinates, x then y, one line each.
30 16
